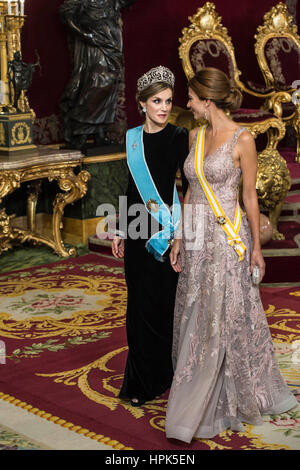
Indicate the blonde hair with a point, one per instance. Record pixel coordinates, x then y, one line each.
151 90
213 84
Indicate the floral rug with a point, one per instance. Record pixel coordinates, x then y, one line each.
11 440
63 351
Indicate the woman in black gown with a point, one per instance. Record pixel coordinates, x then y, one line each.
151 284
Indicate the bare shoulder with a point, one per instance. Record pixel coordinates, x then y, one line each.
245 138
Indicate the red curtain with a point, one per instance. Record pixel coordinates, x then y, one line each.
151 31
43 31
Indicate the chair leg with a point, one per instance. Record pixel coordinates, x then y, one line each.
275 134
296 125
297 158
274 215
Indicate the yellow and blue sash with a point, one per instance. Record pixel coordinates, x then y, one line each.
158 244
231 230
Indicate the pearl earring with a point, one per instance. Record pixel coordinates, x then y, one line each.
144 109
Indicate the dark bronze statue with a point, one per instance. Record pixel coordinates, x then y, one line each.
89 102
20 76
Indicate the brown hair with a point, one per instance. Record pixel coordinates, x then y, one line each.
213 84
151 90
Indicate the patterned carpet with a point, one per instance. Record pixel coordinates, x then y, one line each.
63 329
22 257
11 440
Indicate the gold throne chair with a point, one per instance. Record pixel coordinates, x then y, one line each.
277 49
206 43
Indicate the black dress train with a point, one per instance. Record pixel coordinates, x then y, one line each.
152 284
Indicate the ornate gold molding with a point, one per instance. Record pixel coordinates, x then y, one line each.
278 23
296 125
73 186
275 128
272 185
9 181
205 24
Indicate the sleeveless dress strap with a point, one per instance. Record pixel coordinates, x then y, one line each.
236 135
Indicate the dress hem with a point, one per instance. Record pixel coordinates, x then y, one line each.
235 424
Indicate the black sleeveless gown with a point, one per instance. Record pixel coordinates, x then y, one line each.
152 284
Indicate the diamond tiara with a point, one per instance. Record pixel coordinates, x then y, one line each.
155 75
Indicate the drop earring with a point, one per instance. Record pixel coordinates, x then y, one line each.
144 110
205 115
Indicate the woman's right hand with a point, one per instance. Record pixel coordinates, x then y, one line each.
118 247
175 257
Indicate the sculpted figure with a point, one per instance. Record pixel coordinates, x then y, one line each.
20 76
89 102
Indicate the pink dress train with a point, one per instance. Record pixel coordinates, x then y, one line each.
225 370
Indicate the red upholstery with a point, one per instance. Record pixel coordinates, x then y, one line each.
283 58
258 88
211 53
250 115
287 109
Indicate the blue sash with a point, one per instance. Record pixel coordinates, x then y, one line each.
158 244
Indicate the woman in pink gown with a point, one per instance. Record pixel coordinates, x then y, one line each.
225 370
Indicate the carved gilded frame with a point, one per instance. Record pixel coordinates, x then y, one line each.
58 166
278 23
206 24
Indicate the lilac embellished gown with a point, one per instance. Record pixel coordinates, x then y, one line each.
225 370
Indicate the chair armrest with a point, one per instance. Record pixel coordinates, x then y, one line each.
264 96
273 99
275 102
259 88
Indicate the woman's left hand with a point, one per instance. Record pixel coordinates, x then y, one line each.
175 257
258 260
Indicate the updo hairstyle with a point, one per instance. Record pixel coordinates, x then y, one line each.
213 84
